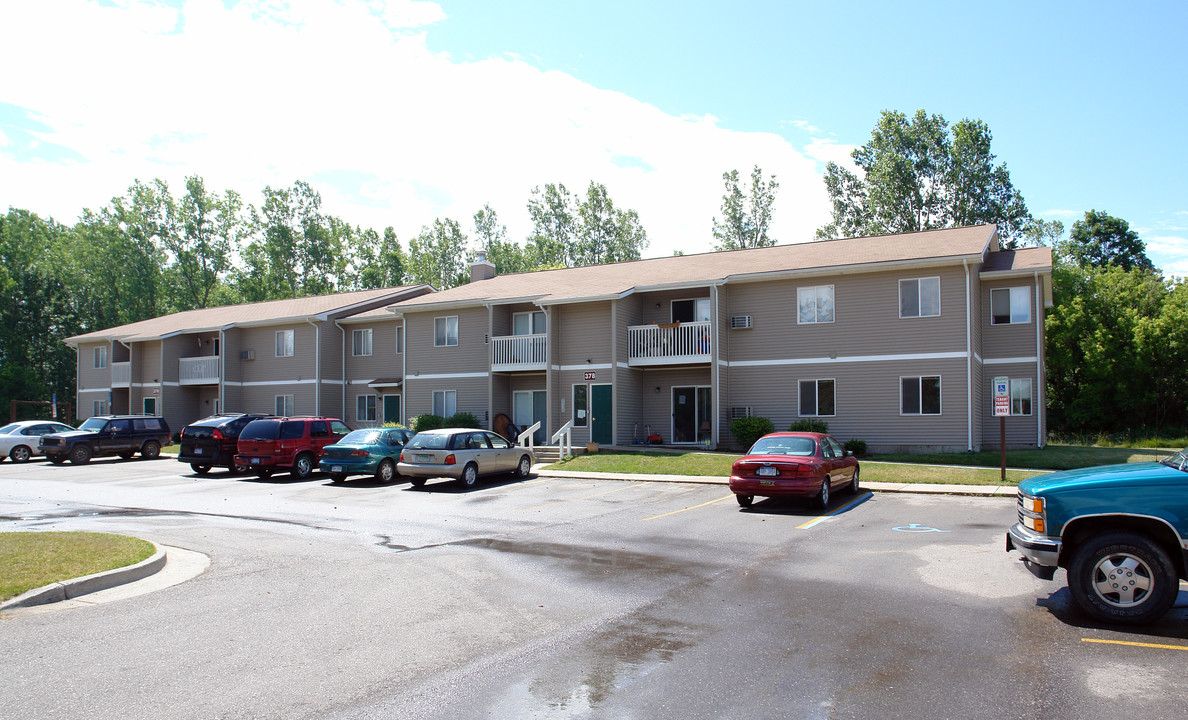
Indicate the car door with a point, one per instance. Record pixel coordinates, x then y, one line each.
504 455
116 437
839 469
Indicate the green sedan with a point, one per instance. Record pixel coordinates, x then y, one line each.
371 451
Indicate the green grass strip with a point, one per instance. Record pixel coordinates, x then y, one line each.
29 560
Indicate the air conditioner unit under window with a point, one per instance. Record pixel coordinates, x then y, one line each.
740 322
247 355
740 412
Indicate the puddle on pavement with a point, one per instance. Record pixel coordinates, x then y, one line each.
586 557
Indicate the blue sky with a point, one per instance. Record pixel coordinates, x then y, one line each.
400 112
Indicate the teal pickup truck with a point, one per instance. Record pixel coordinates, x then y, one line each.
1119 531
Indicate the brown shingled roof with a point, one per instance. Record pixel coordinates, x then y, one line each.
612 280
1026 260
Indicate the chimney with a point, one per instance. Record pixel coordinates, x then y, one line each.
481 268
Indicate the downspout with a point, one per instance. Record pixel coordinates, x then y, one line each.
490 360
317 367
344 372
716 354
969 388
1040 380
614 325
222 369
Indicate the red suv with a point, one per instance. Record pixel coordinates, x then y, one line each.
292 445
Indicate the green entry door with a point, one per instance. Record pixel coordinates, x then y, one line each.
601 414
391 408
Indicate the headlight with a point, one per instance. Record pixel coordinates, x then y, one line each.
1031 513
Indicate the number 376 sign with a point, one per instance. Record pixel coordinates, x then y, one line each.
1002 397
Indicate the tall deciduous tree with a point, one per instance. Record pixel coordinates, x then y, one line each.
553 226
916 175
604 233
746 217
1100 239
211 229
298 250
491 238
436 255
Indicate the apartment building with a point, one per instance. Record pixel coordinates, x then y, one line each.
893 340
306 356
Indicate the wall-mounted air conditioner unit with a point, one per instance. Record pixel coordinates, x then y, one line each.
247 355
740 322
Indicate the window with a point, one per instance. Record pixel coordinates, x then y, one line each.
1010 306
581 394
365 408
284 405
1020 396
99 407
100 358
445 331
920 395
815 304
697 310
816 398
284 343
919 297
361 342
399 339
528 323
445 403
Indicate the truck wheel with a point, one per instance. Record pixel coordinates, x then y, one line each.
1123 577
199 468
80 455
57 459
150 450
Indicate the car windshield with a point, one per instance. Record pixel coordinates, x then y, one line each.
1179 461
261 430
93 425
803 447
8 428
361 437
428 441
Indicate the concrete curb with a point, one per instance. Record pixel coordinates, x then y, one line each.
912 488
68 589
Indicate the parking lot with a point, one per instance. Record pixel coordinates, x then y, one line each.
551 597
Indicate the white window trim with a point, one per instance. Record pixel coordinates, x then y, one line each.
365 344
1010 292
288 403
399 339
367 408
693 300
289 345
919 297
457 331
445 395
814 289
99 358
98 407
1030 397
817 397
920 381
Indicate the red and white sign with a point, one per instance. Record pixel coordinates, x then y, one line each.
1002 406
590 375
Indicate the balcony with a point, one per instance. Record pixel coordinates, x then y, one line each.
199 371
519 352
676 344
121 374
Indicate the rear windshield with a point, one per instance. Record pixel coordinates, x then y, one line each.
428 441
261 430
799 446
8 428
362 437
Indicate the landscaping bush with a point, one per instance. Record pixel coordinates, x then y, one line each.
460 420
749 429
421 423
856 446
392 424
809 425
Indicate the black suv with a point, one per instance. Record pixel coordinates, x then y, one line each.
123 435
212 441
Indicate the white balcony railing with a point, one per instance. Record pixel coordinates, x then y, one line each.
199 370
674 344
519 352
121 374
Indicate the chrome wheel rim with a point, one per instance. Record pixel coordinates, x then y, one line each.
20 453
1122 580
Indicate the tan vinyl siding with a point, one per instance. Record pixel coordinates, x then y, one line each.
656 407
90 378
383 362
146 362
471 354
629 401
584 333
262 398
86 400
233 370
472 396
501 392
269 368
1021 430
1014 340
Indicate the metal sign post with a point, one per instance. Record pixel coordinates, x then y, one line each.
1002 408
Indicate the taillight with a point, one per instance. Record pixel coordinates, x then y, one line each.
451 460
216 434
402 456
359 453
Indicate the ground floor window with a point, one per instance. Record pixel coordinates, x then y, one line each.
99 407
1020 396
816 398
365 408
284 405
445 403
920 395
692 418
581 405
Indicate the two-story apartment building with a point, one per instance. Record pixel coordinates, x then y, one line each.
306 356
892 339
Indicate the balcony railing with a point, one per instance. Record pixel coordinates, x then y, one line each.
519 352
199 370
121 374
675 344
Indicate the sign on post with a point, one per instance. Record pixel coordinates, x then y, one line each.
1002 410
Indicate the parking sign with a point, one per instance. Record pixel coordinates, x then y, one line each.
1002 397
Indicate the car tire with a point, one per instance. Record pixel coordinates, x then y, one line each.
151 450
126 455
20 454
303 466
386 472
822 498
237 469
745 500
57 459
80 455
337 477
1140 570
469 476
853 486
199 468
524 467
417 482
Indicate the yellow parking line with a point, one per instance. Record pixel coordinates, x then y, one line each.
674 512
1135 644
585 497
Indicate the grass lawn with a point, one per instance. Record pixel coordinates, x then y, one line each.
31 559
1052 457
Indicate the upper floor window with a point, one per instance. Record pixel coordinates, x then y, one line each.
284 343
101 357
445 331
1010 306
695 310
361 342
919 297
816 398
1020 396
399 339
920 395
815 304
528 323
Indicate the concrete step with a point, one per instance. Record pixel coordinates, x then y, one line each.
552 453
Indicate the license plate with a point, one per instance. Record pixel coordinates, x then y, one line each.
768 472
255 461
197 451
767 482
335 468
424 458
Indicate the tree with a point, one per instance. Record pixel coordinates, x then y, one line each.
380 262
1100 239
1041 233
211 231
604 233
917 175
553 226
435 256
298 251
746 218
491 237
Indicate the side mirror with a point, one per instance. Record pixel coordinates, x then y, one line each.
849 453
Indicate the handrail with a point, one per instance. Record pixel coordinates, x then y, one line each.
565 435
525 439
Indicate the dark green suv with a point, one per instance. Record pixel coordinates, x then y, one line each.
123 435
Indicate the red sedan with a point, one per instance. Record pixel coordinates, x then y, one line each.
794 464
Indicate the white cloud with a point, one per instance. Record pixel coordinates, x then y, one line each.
265 93
1169 253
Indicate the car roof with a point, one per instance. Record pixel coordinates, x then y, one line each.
26 423
786 433
449 431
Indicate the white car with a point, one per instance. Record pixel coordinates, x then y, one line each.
462 454
19 440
